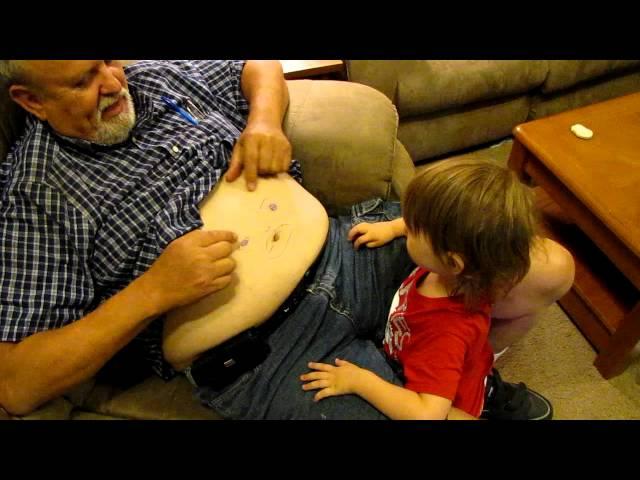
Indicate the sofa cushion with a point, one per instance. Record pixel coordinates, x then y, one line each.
598 90
429 136
444 84
419 87
566 73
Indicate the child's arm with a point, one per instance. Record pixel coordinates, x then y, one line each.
377 234
457 414
395 402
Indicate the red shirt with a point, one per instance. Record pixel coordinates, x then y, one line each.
442 347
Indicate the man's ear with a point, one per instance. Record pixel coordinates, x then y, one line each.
28 100
456 262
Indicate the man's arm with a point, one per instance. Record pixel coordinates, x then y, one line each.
46 364
262 148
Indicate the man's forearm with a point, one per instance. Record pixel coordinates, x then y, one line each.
47 364
265 89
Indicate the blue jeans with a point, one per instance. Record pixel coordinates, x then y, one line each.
343 314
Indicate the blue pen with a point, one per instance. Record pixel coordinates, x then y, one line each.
173 105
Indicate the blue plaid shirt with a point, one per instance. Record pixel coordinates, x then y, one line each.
79 221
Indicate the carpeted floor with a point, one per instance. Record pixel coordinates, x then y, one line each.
556 360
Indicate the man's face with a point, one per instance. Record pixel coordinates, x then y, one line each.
86 99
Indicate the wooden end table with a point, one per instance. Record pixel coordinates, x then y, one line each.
589 191
315 69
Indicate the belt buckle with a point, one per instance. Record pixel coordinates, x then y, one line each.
222 365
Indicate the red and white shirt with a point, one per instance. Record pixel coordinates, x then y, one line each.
442 347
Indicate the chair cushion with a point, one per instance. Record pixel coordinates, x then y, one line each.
344 135
152 399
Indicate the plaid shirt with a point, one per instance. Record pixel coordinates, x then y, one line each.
79 221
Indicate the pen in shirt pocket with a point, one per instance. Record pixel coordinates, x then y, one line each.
193 110
173 105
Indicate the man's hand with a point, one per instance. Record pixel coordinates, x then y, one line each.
371 234
192 266
330 380
261 150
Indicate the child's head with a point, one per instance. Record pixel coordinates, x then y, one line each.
479 222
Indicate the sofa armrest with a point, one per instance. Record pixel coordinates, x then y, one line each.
345 137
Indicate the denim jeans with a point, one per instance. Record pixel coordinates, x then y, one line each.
343 314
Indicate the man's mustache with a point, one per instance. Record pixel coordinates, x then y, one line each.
106 102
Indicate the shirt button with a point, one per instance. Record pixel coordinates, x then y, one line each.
175 149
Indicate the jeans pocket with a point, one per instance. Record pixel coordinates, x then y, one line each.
367 211
228 402
374 210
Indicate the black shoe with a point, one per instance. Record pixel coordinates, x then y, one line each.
508 401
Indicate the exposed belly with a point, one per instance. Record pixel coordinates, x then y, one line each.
281 229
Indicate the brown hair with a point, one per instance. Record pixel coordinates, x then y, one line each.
480 211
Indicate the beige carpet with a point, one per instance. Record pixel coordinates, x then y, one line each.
556 360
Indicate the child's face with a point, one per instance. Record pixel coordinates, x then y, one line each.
421 252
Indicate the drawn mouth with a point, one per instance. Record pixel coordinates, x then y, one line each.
278 240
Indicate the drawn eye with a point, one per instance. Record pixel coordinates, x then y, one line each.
268 204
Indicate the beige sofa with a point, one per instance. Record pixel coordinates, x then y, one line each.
450 105
345 136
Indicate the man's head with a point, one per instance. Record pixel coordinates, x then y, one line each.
86 99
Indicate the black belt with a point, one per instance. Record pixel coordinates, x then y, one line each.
224 363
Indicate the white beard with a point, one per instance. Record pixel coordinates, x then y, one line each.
116 129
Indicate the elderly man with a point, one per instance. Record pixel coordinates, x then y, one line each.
118 235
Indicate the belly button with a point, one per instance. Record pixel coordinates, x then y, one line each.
276 237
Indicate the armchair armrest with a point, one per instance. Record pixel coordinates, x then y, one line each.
345 136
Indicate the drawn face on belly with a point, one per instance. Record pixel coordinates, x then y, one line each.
277 222
272 234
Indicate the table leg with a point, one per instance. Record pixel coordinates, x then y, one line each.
518 159
614 357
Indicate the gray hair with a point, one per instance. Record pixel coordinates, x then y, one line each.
12 71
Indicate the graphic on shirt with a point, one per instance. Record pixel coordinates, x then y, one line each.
397 331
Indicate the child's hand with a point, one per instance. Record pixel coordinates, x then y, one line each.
330 380
371 234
